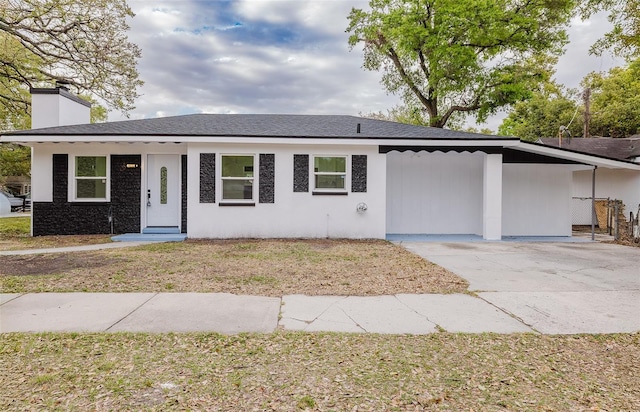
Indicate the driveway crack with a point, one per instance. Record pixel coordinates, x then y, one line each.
417 313
129 314
519 319
353 320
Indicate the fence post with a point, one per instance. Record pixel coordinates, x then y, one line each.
615 220
593 204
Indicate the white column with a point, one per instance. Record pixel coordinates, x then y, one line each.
492 197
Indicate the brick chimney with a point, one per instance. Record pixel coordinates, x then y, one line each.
58 107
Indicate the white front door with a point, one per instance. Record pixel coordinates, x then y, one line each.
163 190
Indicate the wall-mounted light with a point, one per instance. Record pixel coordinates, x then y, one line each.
132 165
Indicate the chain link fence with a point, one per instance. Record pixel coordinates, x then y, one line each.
582 210
610 217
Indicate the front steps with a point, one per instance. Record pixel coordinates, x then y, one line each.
153 234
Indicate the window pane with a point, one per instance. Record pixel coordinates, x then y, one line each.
237 166
237 189
91 188
163 185
330 164
330 181
94 166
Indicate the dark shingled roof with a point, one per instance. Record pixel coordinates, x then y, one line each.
620 148
259 125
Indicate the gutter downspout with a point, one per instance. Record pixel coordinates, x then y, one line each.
593 203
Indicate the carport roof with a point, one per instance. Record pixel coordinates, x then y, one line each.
260 125
615 148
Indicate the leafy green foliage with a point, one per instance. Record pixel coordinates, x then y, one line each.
543 115
457 58
401 114
615 101
82 42
14 160
624 38
615 108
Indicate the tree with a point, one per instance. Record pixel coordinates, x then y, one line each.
624 38
401 114
82 42
455 58
614 112
15 160
544 114
615 101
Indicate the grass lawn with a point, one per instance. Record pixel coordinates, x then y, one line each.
254 267
321 371
289 371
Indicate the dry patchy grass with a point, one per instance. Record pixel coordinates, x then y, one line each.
323 372
255 267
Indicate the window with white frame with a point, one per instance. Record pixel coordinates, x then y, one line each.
90 177
330 173
237 177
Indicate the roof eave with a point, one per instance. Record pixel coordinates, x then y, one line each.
581 157
342 140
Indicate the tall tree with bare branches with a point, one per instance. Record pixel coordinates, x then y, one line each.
82 42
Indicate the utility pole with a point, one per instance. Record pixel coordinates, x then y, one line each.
586 96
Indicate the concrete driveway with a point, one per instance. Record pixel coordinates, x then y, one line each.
551 287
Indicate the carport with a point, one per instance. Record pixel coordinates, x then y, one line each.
521 189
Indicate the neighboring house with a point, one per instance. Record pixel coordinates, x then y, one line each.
622 184
20 185
227 176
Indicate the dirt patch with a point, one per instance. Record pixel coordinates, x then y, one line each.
27 265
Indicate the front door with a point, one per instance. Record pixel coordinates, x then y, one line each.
163 190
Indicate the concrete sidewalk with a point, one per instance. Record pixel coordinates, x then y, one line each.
551 288
229 314
67 249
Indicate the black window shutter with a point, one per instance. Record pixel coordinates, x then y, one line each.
300 173
266 189
60 178
359 173
207 177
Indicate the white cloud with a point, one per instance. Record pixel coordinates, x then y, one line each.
276 56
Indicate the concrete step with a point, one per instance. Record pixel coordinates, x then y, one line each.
150 237
161 230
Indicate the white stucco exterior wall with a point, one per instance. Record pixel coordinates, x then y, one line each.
492 197
293 215
536 200
610 183
50 110
41 169
434 193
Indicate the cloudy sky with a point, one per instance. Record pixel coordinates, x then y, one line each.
277 56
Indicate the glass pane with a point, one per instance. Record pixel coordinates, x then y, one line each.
237 166
94 166
329 181
163 185
91 188
237 189
330 164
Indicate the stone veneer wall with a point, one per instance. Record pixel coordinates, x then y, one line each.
62 217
